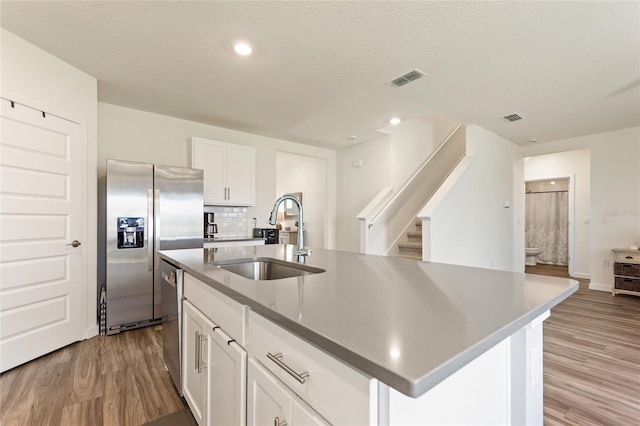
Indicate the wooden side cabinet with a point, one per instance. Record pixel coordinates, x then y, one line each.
626 272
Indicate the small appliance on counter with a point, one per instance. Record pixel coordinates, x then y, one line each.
270 235
210 228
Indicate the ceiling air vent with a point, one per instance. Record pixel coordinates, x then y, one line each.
412 75
513 117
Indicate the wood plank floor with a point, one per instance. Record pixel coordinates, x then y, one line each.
591 357
106 380
591 372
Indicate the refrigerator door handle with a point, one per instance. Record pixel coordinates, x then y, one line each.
150 230
156 233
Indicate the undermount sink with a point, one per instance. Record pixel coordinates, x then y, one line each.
260 269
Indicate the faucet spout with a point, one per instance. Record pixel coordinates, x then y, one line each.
274 216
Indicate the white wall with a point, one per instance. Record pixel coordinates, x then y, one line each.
412 142
471 226
125 133
307 175
357 185
615 194
574 164
388 161
33 77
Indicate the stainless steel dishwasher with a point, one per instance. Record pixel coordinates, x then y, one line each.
172 295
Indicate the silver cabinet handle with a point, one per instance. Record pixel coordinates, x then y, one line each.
229 189
200 364
300 377
197 365
277 422
75 243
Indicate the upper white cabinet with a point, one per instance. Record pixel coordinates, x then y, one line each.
229 171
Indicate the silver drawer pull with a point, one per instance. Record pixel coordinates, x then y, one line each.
301 377
277 422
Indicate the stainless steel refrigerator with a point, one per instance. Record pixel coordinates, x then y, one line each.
148 208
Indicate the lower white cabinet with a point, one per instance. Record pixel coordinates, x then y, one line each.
227 383
196 352
270 403
214 371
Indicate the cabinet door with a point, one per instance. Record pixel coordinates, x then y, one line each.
301 414
240 175
194 371
268 402
227 381
210 156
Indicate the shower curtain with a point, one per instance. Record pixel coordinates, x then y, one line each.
546 225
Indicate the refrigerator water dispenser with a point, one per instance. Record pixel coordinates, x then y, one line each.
130 232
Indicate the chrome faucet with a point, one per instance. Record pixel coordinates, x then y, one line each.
274 216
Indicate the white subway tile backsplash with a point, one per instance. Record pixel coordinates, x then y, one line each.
232 221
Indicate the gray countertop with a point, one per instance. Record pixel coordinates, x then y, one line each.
227 239
408 323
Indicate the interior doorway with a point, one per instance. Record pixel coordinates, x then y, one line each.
307 175
547 221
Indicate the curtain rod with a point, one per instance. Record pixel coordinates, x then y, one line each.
544 192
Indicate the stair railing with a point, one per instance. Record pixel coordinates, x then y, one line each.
386 217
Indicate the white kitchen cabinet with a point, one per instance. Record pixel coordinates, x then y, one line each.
229 171
217 395
227 372
271 403
336 391
196 352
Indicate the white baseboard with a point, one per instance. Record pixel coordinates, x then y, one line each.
600 287
581 275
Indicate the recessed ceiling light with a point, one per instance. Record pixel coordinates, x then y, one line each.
553 182
352 137
242 49
532 140
394 121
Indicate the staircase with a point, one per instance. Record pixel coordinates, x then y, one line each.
412 249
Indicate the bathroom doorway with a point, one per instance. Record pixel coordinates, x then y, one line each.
547 222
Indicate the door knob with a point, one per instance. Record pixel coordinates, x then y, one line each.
75 243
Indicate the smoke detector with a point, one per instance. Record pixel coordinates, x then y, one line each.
512 117
407 78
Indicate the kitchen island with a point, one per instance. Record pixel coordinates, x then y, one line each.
438 343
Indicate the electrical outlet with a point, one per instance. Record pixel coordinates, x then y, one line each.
605 263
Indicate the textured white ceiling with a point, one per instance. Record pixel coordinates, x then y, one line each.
319 69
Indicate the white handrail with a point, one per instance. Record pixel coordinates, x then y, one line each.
375 204
410 181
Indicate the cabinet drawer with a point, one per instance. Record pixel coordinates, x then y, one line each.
227 313
629 284
336 391
627 257
627 269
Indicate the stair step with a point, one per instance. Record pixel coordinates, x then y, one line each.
418 223
411 245
415 236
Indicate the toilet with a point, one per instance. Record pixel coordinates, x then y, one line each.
531 255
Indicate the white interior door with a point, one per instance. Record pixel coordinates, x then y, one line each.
40 216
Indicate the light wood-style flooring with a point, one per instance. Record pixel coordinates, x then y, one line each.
591 372
591 357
